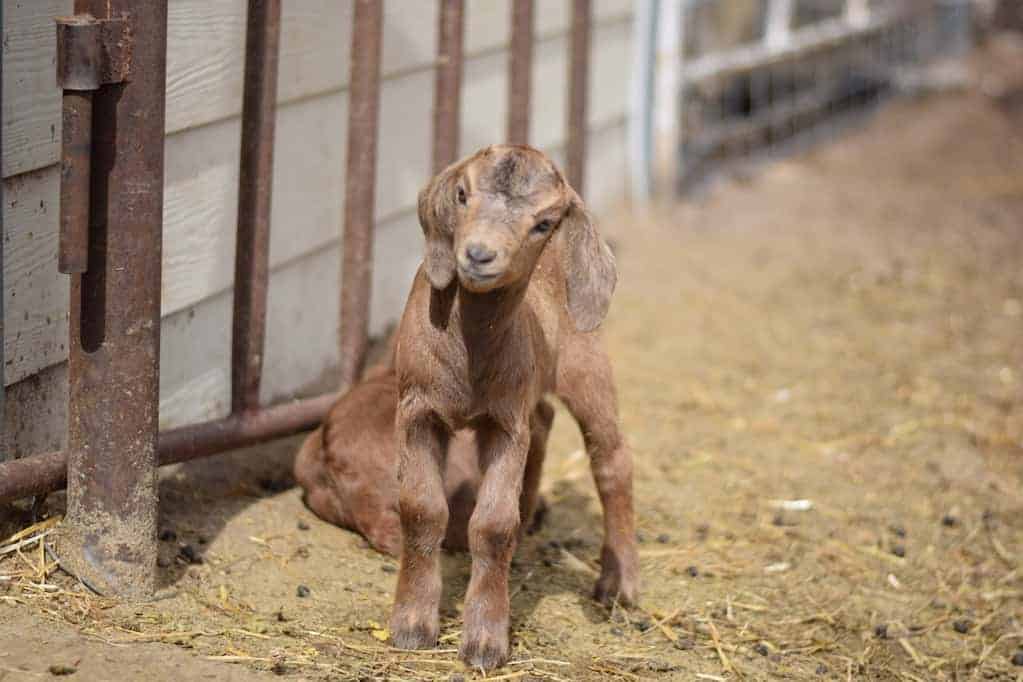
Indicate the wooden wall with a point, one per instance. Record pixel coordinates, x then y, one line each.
204 83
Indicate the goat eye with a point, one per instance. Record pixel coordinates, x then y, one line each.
461 196
542 227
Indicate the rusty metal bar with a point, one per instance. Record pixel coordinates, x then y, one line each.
520 71
255 187
41 474
360 187
34 475
241 430
448 86
578 93
3 439
109 536
75 172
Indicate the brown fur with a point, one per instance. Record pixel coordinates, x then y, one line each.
348 467
483 338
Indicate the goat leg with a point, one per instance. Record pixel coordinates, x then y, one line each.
493 535
422 447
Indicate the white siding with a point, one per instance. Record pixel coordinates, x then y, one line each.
205 53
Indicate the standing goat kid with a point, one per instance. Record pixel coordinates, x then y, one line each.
501 313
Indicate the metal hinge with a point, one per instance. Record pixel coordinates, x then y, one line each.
92 52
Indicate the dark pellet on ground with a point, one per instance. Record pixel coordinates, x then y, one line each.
899 550
573 543
640 537
693 571
162 563
881 631
684 644
62 669
897 530
167 535
280 616
201 540
554 544
302 525
822 669
388 568
642 625
617 632
962 626
1017 658
702 531
761 648
189 555
302 591
664 538
949 521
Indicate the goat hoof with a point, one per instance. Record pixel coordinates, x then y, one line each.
484 653
613 588
419 635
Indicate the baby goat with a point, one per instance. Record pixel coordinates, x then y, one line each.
514 282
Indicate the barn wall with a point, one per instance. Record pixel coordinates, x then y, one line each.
204 82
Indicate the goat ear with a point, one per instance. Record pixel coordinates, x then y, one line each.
436 213
589 265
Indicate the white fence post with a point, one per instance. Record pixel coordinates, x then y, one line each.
857 12
641 114
779 22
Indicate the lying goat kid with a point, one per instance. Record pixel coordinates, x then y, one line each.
348 467
514 282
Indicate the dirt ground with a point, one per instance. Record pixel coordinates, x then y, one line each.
820 369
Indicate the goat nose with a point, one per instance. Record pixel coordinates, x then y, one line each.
479 254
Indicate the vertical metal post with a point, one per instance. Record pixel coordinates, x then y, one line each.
520 71
76 161
578 94
360 184
448 87
857 12
110 531
641 114
255 188
779 22
3 440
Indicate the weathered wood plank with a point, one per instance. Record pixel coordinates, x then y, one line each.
31 101
35 294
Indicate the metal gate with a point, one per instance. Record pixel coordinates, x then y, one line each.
807 69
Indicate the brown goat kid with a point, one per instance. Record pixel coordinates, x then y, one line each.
514 282
348 467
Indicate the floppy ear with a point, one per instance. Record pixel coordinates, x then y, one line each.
589 265
436 213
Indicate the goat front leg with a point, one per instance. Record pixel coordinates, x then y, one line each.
422 446
585 385
493 534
